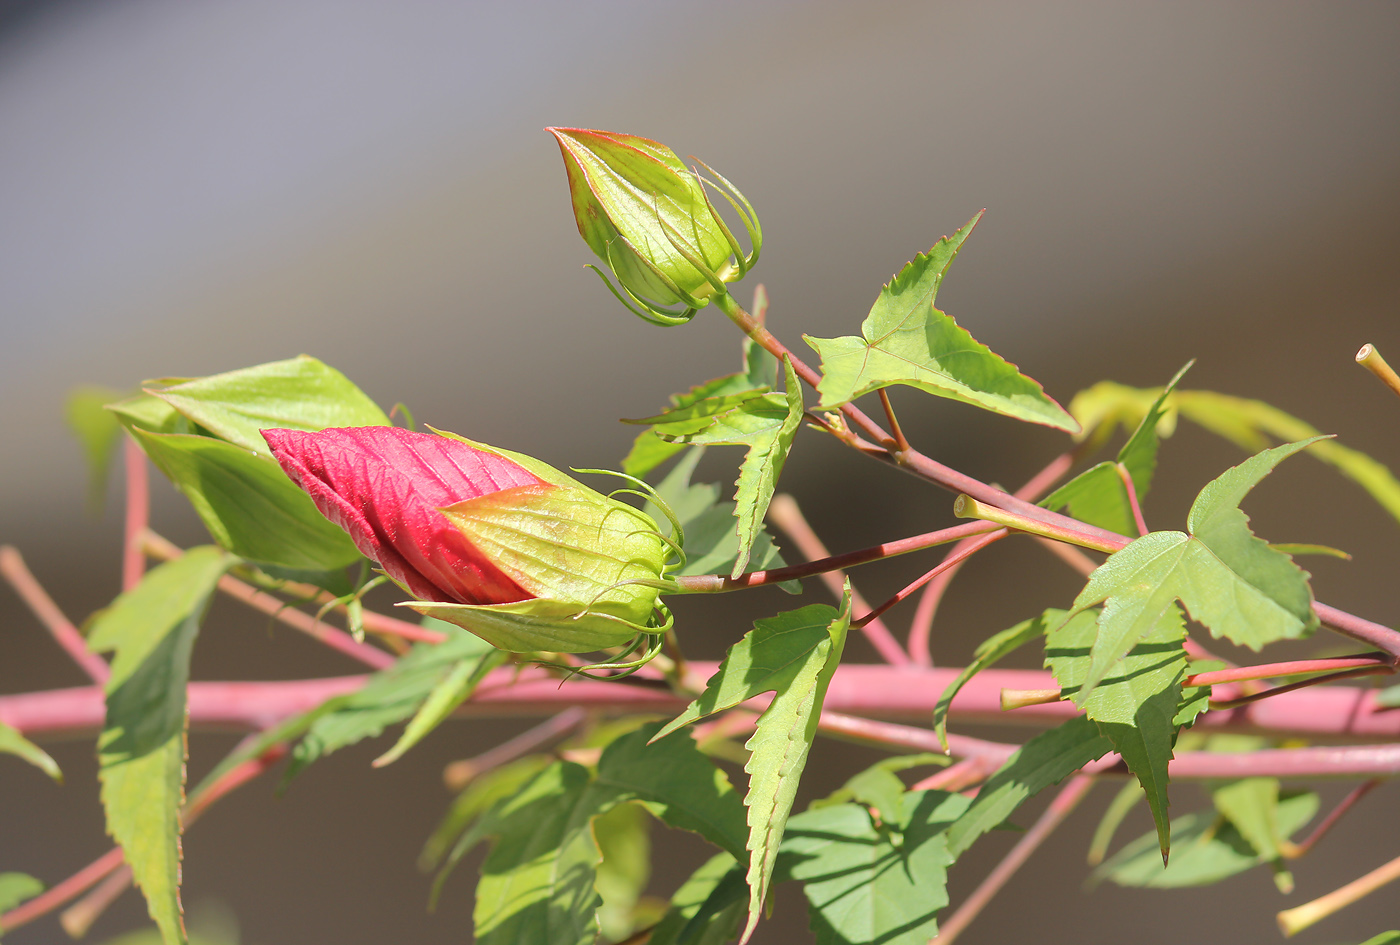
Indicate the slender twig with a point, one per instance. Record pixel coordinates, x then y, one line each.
1315 681
1068 798
1133 503
921 627
280 610
1369 358
1293 921
787 516
459 774
12 566
959 776
951 561
1374 634
897 435
79 917
715 584
138 509
1288 668
967 507
1295 850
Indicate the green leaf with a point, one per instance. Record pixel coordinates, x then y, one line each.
1232 582
141 750
1047 759
766 424
990 651
1136 703
16 888
711 541
624 841
248 504
13 743
759 376
673 780
1097 495
97 430
1251 807
1123 802
906 340
793 655
1207 850
457 687
1385 938
1293 549
300 393
537 882
866 884
391 695
707 909
150 413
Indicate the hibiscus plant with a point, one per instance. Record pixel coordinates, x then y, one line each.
523 588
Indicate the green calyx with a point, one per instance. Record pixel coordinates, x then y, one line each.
651 220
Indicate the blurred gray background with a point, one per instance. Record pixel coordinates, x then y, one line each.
187 188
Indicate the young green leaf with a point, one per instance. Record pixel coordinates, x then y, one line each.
868 884
708 907
1251 806
793 655
989 651
1232 582
13 743
906 340
391 695
141 750
624 842
766 424
711 540
16 888
1207 850
1097 495
1385 938
457 687
1137 702
248 504
300 393
1047 759
97 430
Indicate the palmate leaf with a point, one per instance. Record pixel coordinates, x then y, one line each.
299 393
708 907
711 540
1207 850
793 655
391 695
454 689
1097 495
878 786
248 504
1137 702
989 651
765 423
13 743
867 883
906 340
759 377
1230 581
538 884
141 750
1047 759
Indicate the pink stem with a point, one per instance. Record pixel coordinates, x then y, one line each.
12 566
714 584
953 559
79 917
1315 681
1068 798
459 774
62 892
922 627
1289 668
1131 489
1346 804
138 508
787 516
1374 634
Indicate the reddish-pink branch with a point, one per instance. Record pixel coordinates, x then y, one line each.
1287 668
952 560
921 628
12 566
1065 802
138 508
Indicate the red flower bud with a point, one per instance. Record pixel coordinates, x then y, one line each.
385 487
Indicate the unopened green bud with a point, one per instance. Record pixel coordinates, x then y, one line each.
650 219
